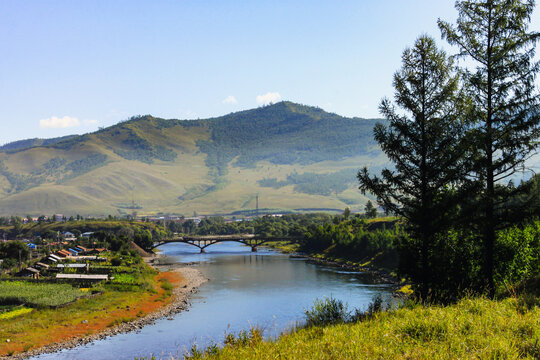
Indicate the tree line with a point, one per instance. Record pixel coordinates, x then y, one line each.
456 135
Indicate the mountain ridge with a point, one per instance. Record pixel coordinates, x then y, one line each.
33 142
212 165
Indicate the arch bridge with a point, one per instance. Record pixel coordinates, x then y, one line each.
204 241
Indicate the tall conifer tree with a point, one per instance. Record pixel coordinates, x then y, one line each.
423 142
494 35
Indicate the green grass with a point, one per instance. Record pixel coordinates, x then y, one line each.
471 329
125 279
37 294
167 286
121 320
283 246
130 278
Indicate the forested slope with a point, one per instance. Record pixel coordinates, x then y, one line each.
293 156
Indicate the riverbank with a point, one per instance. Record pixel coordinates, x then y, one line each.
381 275
473 328
400 288
96 318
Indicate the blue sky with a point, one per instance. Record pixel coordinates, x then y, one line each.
73 66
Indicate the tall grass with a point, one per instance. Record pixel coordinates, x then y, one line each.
470 329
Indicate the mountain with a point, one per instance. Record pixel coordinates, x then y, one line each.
292 156
28 143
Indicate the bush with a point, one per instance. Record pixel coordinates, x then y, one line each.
244 338
374 307
327 311
518 253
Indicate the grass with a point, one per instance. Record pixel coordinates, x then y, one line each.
283 246
121 320
85 316
125 279
14 313
37 294
167 287
471 329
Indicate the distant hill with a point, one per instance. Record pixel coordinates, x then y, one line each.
28 143
292 156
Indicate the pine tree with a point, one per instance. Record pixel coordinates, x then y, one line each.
493 34
423 142
371 211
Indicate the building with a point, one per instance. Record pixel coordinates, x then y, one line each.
69 236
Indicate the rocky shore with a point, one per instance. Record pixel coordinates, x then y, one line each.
193 278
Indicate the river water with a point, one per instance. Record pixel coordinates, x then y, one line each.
265 289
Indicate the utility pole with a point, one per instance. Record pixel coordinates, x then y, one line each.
257 205
133 213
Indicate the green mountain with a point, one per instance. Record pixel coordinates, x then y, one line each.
292 156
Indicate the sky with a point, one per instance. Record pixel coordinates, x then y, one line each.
70 67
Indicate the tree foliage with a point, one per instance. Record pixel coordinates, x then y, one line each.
284 133
370 210
423 143
312 183
493 34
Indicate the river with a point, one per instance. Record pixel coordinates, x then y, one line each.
266 288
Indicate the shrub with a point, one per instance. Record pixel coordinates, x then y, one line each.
244 338
518 253
374 307
327 311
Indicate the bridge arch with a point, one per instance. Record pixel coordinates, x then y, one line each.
203 244
204 241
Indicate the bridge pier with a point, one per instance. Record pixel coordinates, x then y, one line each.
253 249
202 251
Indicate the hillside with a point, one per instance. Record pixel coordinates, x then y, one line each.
28 143
293 156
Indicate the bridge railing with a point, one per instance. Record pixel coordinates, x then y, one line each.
203 241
